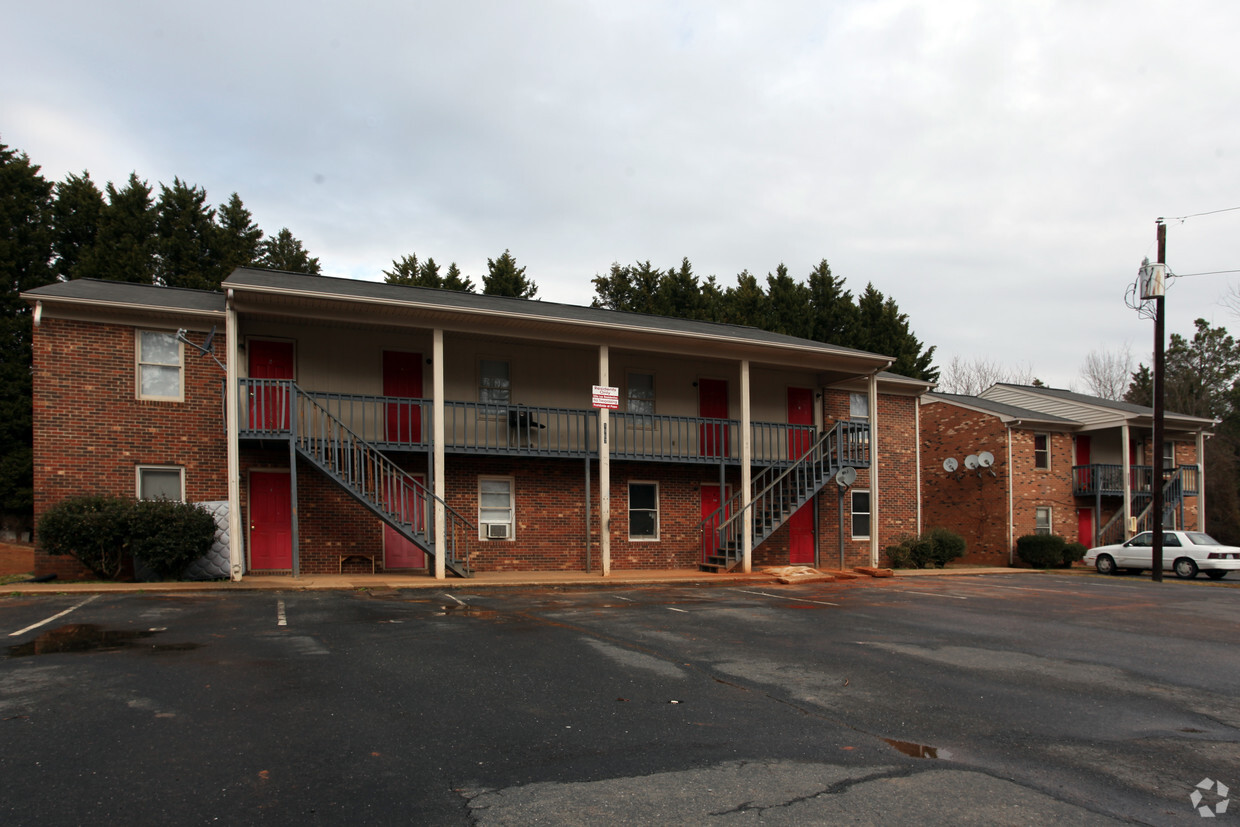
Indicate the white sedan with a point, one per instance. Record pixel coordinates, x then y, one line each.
1184 552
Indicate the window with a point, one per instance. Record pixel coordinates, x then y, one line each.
159 366
643 511
1042 520
495 388
641 393
858 406
860 514
1168 455
161 482
495 508
1041 451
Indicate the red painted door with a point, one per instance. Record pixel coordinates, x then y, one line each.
800 412
1082 449
801 536
1085 476
1085 526
398 551
269 405
713 404
402 377
710 504
271 521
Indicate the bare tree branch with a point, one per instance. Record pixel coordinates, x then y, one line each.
970 378
1106 373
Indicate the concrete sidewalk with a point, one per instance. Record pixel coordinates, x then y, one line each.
482 580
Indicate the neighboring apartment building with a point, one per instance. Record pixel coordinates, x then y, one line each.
355 425
1053 462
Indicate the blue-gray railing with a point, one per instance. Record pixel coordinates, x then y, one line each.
397 423
779 491
1175 489
1108 480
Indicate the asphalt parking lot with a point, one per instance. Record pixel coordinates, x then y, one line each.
1015 699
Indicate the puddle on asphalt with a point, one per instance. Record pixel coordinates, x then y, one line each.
87 637
918 750
465 611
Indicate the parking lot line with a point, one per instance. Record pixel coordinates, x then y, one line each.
786 597
281 617
53 617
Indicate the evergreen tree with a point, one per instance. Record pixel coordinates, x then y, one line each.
787 305
612 291
680 294
745 304
125 247
76 213
454 280
188 239
284 252
713 300
833 314
405 270
882 328
239 237
409 271
505 278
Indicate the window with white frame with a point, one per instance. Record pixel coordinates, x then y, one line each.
1168 455
640 394
858 406
643 511
1041 450
494 384
1042 520
160 360
860 514
495 508
161 482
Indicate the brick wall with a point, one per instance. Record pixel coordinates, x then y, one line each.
91 431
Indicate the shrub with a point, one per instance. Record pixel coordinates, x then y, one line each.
92 528
1042 551
166 536
947 546
936 547
1073 553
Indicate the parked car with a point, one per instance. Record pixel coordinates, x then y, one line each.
1184 552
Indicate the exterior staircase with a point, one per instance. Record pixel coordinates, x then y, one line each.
778 491
1173 497
376 482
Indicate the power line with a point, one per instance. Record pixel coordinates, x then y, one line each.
1206 273
1199 214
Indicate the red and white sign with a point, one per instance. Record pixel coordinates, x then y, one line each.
604 397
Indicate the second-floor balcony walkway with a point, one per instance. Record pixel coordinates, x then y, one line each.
1108 480
271 408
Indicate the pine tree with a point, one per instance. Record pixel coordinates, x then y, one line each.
76 213
745 304
188 239
680 294
125 247
505 278
284 252
239 237
832 311
787 305
404 271
455 281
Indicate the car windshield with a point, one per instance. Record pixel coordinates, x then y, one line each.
1197 538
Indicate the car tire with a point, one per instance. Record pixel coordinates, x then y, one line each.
1216 574
1105 564
1185 568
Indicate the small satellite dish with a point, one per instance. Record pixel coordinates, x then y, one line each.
985 459
950 465
970 462
845 477
209 342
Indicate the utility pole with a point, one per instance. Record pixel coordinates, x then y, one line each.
1156 463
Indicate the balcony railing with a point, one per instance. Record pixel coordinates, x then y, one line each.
402 424
1108 480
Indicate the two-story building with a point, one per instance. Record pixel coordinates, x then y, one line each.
356 426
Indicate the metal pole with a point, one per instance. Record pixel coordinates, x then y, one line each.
1156 464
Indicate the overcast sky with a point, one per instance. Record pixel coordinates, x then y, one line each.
995 167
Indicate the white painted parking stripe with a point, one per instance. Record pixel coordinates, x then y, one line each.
457 599
281 617
790 599
53 617
674 609
932 594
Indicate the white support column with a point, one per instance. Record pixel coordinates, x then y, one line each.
236 551
437 432
1126 450
746 474
917 456
1201 481
874 470
604 468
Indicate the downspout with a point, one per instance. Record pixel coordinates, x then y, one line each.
1201 481
1011 515
874 468
1126 450
236 551
917 443
746 475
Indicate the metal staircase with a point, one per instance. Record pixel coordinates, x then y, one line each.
778 491
379 484
1173 499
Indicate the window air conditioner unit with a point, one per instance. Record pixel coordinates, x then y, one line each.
497 531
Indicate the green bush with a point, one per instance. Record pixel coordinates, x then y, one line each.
1073 553
102 532
1042 551
936 547
947 546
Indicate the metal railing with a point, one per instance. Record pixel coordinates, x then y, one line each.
1108 480
1174 491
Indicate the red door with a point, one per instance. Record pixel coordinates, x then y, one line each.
402 377
271 521
398 551
710 504
269 404
1085 476
801 536
800 412
713 404
1085 527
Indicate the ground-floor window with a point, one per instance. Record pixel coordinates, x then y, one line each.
643 511
161 482
1042 520
495 508
860 515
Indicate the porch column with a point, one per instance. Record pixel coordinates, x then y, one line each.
604 469
437 436
236 553
874 512
746 475
1126 450
1201 481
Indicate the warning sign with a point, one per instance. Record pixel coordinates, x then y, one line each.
604 397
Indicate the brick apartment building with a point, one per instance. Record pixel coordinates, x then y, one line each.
351 425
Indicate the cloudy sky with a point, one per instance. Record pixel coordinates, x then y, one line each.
996 167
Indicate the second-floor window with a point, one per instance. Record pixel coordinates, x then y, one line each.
1041 450
858 406
640 397
495 388
159 366
1168 455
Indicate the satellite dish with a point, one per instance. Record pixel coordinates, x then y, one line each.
209 342
950 465
970 461
845 477
985 459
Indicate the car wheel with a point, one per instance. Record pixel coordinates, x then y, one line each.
1216 574
1185 568
1105 564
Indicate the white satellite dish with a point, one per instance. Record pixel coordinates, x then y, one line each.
970 462
845 477
985 459
950 465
